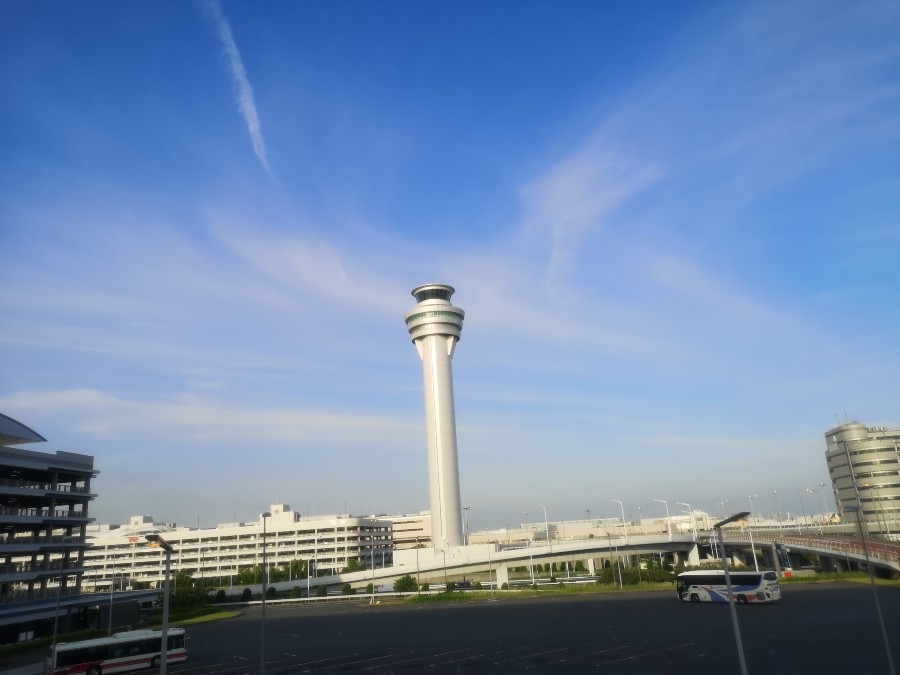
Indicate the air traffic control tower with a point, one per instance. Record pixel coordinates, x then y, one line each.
434 326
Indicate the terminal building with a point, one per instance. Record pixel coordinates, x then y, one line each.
864 466
120 555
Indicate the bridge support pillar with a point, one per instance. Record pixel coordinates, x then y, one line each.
693 556
591 569
502 572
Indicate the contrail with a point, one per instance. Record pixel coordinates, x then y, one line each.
244 91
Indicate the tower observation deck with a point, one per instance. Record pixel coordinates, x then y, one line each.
435 326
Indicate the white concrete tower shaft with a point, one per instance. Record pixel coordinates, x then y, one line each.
435 326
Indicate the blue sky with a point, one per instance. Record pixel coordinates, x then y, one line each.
674 228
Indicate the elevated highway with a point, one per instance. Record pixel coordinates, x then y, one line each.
838 553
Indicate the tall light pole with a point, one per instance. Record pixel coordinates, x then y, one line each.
62 566
622 508
802 510
418 583
777 508
466 526
824 507
112 588
156 540
262 624
750 498
853 508
668 521
691 514
734 618
547 527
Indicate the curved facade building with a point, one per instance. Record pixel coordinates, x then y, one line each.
435 326
864 466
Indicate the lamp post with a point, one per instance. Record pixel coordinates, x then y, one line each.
546 527
418 583
734 618
750 498
668 521
62 565
887 645
691 514
622 508
777 508
262 624
446 588
466 525
156 540
112 588
802 510
825 518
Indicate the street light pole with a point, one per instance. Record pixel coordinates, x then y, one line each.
547 527
622 508
418 583
262 624
668 521
112 588
691 514
466 525
62 565
862 535
777 508
156 540
734 618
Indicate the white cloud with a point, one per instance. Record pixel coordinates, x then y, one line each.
243 90
191 418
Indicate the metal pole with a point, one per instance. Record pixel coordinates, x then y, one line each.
734 618
164 647
466 523
862 535
62 565
547 527
262 624
668 520
418 583
622 508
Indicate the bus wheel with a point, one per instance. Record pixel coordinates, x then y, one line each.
154 663
695 597
94 670
742 599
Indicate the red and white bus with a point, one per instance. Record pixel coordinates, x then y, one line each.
121 653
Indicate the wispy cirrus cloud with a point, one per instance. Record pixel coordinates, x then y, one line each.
243 90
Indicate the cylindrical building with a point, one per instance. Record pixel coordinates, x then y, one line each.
864 465
434 326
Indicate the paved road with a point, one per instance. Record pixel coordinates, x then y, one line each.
822 629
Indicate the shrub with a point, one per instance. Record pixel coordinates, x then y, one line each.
321 592
450 587
246 595
405 584
504 586
346 589
220 595
425 586
270 593
478 586
369 588
295 592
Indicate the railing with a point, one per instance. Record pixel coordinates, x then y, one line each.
33 485
875 548
41 513
37 595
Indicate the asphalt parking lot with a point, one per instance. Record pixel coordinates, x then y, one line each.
823 628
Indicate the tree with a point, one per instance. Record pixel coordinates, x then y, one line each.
369 588
220 595
504 586
405 584
353 566
270 592
346 589
295 592
246 595
321 592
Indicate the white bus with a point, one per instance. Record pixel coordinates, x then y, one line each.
123 652
709 586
